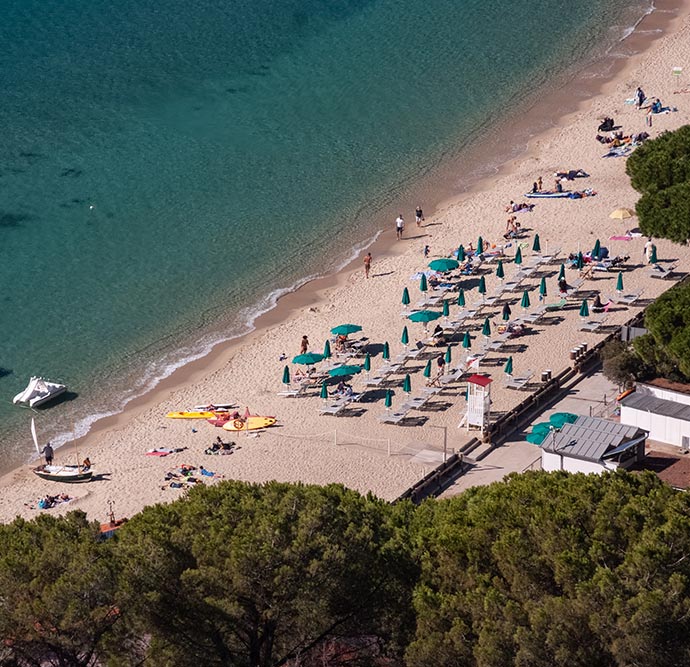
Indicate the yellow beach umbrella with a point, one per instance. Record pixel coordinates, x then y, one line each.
621 214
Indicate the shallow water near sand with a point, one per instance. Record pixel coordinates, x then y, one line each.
167 170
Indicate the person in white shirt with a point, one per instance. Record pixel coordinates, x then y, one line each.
399 226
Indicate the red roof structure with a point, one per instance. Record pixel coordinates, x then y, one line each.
481 380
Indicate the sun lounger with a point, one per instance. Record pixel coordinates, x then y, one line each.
594 325
393 417
626 299
574 288
658 271
497 343
454 376
534 316
551 256
519 381
338 406
552 307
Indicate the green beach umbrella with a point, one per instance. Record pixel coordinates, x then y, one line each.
406 297
423 286
407 384
324 391
500 273
340 371
652 256
536 246
327 350
449 355
597 249
286 375
508 368
506 312
482 285
424 316
480 246
580 261
486 328
467 341
525 300
542 427
389 399
446 308
518 256
443 265
461 254
461 298
584 309
427 369
536 438
542 286
561 273
619 282
308 358
559 419
386 354
405 336
367 363
345 329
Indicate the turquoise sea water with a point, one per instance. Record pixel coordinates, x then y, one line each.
167 168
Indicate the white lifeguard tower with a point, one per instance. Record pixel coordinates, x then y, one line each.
478 402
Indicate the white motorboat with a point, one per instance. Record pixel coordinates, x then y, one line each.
39 391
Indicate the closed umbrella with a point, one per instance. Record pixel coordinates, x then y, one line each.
427 369
423 286
405 337
486 328
621 214
482 285
652 256
308 358
386 354
286 375
506 312
446 308
584 309
389 399
542 287
561 273
536 246
449 355
525 300
597 249
619 282
407 384
508 368
461 254
367 363
500 273
580 261
406 297
518 256
327 350
340 371
444 264
345 329
466 340
480 246
424 316
461 298
324 391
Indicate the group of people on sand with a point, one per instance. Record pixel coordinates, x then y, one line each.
51 501
400 222
513 228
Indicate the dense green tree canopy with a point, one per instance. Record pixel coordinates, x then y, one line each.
660 171
555 569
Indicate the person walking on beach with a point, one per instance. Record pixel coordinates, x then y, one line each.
419 216
399 226
640 97
539 184
48 453
305 345
647 252
367 264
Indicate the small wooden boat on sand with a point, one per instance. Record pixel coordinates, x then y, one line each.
63 473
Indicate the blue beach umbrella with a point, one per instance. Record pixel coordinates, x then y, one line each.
340 371
405 339
386 354
308 358
536 246
467 341
407 384
444 264
461 298
406 297
518 256
500 273
427 369
345 329
327 350
286 375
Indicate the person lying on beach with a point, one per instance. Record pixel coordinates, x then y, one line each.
607 125
208 473
514 207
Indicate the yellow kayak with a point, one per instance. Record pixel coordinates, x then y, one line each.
249 424
182 414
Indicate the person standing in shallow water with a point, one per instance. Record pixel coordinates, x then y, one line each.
399 226
305 345
367 264
48 453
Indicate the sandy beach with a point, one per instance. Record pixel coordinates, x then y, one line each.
356 449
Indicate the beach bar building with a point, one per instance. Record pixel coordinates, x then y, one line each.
592 445
662 408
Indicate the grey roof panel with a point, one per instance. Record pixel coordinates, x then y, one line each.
657 406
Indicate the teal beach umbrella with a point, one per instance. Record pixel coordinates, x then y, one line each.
286 375
449 355
467 341
561 273
506 312
508 368
308 358
559 419
340 371
389 399
536 438
619 282
580 261
542 286
584 309
405 339
345 329
324 391
406 297
536 246
500 273
407 384
424 316
461 254
423 286
367 363
480 246
542 427
461 298
446 308
327 350
427 369
482 285
597 249
652 256
386 354
444 264
525 300
518 256
486 328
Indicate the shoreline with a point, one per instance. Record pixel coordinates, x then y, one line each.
314 295
309 293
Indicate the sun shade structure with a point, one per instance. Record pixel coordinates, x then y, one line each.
619 282
308 358
524 303
367 363
449 355
461 254
508 368
621 214
407 384
423 285
580 261
506 312
480 246
500 273
518 256
584 309
443 265
286 375
482 285
652 256
427 369
389 398
467 341
596 250
345 329
424 316
405 338
559 419
561 273
542 286
486 328
324 391
386 354
340 371
327 350
461 298
446 308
